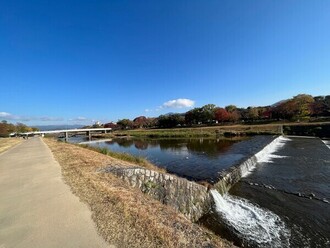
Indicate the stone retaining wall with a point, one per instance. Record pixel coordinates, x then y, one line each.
190 198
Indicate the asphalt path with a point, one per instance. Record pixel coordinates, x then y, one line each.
37 209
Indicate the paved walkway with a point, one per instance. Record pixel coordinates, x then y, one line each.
37 209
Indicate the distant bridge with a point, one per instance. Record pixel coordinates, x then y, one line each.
87 131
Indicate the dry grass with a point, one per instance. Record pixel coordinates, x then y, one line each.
6 143
123 215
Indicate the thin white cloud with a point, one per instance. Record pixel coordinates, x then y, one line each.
80 118
5 114
12 117
47 118
9 116
179 103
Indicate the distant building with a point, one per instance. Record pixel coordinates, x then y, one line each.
97 124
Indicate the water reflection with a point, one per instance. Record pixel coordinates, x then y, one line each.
208 147
195 159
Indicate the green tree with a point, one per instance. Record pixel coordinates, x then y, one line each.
253 113
194 116
207 113
231 108
125 123
169 121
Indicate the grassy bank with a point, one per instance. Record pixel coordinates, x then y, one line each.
124 157
124 216
6 143
213 131
227 131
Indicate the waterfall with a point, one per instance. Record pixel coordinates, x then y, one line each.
327 143
266 154
232 175
251 223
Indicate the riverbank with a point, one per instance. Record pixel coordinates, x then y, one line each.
125 157
7 143
213 131
230 131
124 215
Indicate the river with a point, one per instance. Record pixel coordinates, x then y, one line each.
195 159
284 202
294 184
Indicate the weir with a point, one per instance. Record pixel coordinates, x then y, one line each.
246 223
232 175
189 197
233 217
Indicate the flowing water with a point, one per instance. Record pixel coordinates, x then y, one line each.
282 202
293 182
327 143
252 224
243 222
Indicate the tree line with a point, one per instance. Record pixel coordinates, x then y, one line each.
8 128
302 107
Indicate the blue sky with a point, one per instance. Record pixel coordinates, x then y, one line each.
66 62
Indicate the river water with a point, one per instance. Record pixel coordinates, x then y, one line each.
294 184
195 159
284 202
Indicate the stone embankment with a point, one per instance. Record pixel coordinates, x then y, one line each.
190 198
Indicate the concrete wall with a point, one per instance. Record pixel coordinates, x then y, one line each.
233 174
190 198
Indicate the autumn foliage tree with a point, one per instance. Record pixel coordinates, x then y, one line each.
140 122
221 115
303 104
8 128
300 107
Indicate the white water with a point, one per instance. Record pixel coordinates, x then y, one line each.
251 223
267 154
327 143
